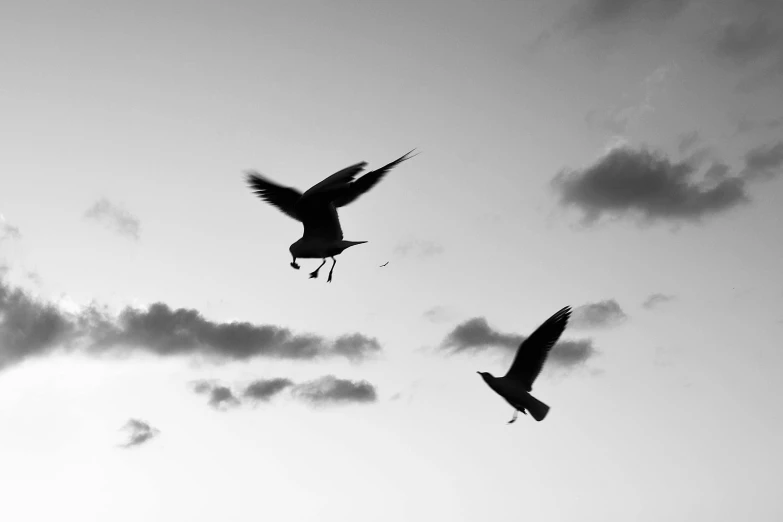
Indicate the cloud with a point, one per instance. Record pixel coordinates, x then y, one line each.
687 141
418 248
122 221
324 390
638 182
751 39
764 162
476 335
436 314
167 331
220 397
745 124
617 119
265 389
139 433
31 328
597 315
8 231
330 389
654 300
745 41
602 12
609 17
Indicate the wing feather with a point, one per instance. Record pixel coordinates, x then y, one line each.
350 193
533 351
337 180
284 198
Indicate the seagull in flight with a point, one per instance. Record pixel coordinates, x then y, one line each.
316 209
517 384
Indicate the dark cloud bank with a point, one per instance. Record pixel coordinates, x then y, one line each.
318 392
476 335
30 328
649 186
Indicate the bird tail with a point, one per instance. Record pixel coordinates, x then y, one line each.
536 408
346 244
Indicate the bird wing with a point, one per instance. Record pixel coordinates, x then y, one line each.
348 194
284 198
335 181
533 351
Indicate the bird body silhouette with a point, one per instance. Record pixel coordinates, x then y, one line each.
316 209
516 385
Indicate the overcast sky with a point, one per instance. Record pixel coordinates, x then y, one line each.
159 359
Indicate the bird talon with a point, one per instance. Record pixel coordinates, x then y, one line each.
295 265
313 275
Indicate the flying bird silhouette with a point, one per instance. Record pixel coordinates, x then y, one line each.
517 384
386 263
316 209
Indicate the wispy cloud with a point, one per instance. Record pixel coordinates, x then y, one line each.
476 335
437 314
687 141
619 118
139 433
649 186
7 230
29 328
653 300
745 124
418 248
607 18
331 390
603 314
115 217
318 392
596 13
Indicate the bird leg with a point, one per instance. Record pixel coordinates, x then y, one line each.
313 275
514 418
334 262
293 264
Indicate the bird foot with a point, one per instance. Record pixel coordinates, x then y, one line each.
514 418
313 275
295 265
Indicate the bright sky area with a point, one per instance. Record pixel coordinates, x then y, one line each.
622 157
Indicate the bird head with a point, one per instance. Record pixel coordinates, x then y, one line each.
486 376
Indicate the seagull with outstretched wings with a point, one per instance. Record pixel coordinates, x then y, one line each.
316 209
517 384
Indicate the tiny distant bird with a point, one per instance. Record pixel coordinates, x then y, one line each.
386 263
517 384
317 209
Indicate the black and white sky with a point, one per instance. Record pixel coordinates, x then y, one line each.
623 157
